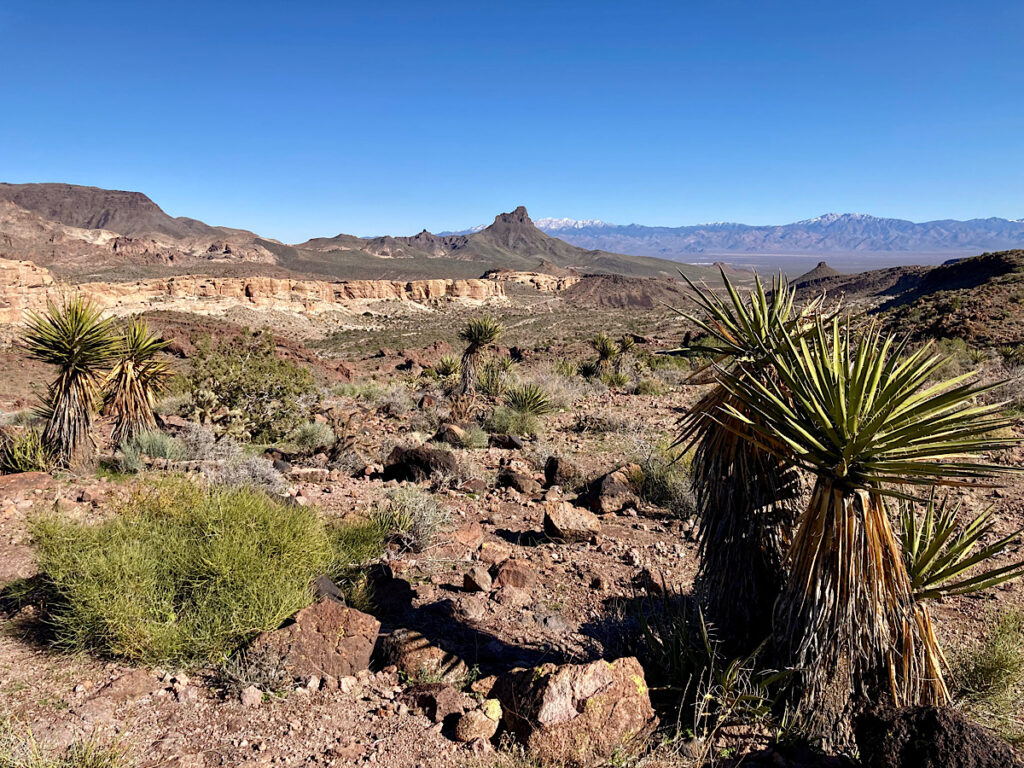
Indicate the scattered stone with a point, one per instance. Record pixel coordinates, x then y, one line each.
130 686
516 573
419 659
566 522
610 493
518 481
326 638
324 587
469 535
477 579
505 442
251 697
308 475
418 464
561 472
495 552
576 714
437 701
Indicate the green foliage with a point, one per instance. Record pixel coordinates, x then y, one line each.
663 479
23 452
447 366
185 573
410 517
495 376
149 442
650 387
939 554
241 387
74 338
311 436
135 380
529 399
506 421
570 369
474 437
614 379
481 332
989 676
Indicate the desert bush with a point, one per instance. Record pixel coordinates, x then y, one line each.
186 573
663 478
240 387
474 437
369 391
20 749
647 387
506 421
601 422
311 436
26 417
989 676
255 472
395 401
259 667
529 399
23 451
410 517
568 369
614 379
199 443
148 442
496 375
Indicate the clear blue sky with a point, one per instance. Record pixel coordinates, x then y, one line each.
297 118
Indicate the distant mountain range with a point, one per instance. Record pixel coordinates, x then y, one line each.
830 233
92 233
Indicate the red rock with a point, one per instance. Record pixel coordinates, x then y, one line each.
516 573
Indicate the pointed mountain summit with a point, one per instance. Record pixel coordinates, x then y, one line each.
820 272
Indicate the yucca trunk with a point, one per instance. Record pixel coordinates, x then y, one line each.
467 383
68 407
847 618
132 403
746 500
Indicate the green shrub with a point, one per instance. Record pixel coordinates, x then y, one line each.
474 437
647 387
663 480
529 399
242 388
496 375
614 379
149 442
410 517
185 573
505 421
311 436
570 369
448 365
23 452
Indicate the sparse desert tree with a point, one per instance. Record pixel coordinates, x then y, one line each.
479 333
73 337
746 494
868 420
135 380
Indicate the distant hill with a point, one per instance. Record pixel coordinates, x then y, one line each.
832 232
820 272
979 299
88 233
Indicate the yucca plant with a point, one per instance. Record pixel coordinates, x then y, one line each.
941 555
529 399
135 380
495 376
447 366
864 418
746 495
479 333
74 337
607 350
23 452
624 346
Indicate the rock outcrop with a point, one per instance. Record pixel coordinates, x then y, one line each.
539 280
25 286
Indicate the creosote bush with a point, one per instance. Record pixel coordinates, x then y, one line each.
186 572
311 436
506 421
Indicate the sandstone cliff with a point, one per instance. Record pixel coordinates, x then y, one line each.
25 286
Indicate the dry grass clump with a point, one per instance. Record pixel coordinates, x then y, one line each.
19 749
410 517
989 676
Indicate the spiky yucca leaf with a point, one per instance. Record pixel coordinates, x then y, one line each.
448 365
939 553
75 338
745 494
530 399
606 348
135 380
864 417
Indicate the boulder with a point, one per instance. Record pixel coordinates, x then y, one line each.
477 579
505 442
930 737
494 552
479 723
452 434
518 481
561 472
576 714
610 493
421 660
325 638
516 573
566 522
418 464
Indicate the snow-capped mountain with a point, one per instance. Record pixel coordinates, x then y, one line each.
558 225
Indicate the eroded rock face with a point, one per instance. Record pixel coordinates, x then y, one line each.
930 737
25 286
576 714
326 638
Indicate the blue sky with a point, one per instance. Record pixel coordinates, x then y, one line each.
297 119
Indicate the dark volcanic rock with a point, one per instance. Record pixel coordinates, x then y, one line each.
418 464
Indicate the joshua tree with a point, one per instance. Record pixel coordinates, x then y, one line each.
861 416
478 334
745 493
75 338
136 378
